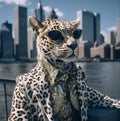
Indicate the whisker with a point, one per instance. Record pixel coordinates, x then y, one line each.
61 51
68 50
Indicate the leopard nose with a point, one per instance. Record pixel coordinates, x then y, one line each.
72 46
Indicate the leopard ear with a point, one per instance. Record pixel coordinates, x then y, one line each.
75 23
35 23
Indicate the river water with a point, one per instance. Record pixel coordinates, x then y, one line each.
103 76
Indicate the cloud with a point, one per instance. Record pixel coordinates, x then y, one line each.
48 9
59 13
17 2
103 33
113 28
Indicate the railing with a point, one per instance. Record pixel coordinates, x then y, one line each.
94 114
3 97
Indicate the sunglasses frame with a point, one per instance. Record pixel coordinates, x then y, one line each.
59 38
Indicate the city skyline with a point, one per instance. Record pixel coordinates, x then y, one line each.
90 24
109 10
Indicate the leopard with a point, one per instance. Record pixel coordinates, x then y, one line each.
56 88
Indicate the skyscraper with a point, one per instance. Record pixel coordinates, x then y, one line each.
39 12
6 40
118 32
97 28
40 15
111 39
52 15
90 25
20 32
102 38
32 50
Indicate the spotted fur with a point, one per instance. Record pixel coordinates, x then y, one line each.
56 89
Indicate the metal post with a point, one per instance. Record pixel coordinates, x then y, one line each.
6 107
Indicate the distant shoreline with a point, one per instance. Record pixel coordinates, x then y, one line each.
80 60
99 60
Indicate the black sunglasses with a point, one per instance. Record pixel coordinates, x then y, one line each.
77 33
58 37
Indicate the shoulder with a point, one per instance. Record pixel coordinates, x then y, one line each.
35 76
22 78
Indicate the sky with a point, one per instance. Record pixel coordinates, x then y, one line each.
66 9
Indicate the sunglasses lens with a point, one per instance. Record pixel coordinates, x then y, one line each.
55 35
77 33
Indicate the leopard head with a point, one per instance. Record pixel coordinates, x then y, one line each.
57 40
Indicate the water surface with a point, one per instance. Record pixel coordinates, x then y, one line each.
103 76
